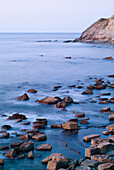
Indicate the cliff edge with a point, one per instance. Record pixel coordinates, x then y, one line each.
101 31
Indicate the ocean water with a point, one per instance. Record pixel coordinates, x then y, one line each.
37 60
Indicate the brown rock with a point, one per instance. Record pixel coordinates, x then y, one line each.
73 120
106 133
111 117
1 162
68 57
38 126
52 165
23 97
79 87
27 146
11 153
44 147
112 85
105 94
70 125
4 135
56 126
21 156
25 123
48 100
91 151
111 75
68 99
110 128
84 122
108 58
24 137
111 100
30 155
62 104
104 147
33 131
72 86
42 121
112 137
90 87
16 144
79 114
103 102
39 137
88 91
90 137
17 116
32 91
7 127
105 109
5 147
100 158
106 166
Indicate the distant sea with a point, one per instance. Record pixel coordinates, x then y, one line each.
37 60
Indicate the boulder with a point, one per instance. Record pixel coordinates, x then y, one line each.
103 102
17 116
27 146
30 155
105 132
16 144
105 94
102 158
39 137
90 87
4 135
88 91
90 137
32 131
38 126
31 91
44 147
1 162
68 99
23 97
79 87
105 109
5 147
70 125
7 127
68 57
11 153
111 100
106 166
48 100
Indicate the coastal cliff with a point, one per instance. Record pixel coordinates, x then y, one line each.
101 31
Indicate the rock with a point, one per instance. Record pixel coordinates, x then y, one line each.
108 58
38 126
111 100
72 86
62 104
48 100
112 137
24 137
4 135
17 116
82 168
90 163
25 123
32 131
1 162
93 101
112 85
68 57
27 146
100 158
42 121
110 128
39 137
84 122
7 127
90 87
111 75
106 166
30 155
18 120
99 32
90 137
21 156
111 117
44 147
5 147
91 151
104 147
16 144
106 133
103 102
104 98
23 97
105 94
79 114
88 91
70 125
32 91
68 99
56 126
105 109
55 88
73 120
11 153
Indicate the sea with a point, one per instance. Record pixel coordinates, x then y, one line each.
38 61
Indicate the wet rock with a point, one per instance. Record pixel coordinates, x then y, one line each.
104 98
90 137
82 168
68 57
30 155
91 151
55 88
103 102
105 109
79 114
7 127
111 117
111 100
104 147
84 122
1 162
99 87
44 147
25 123
32 131
38 126
68 99
112 85
21 156
48 100
112 137
32 91
106 133
111 75
24 137
88 91
90 163
16 144
93 101
105 94
23 97
79 87
39 137
73 120
56 126
11 153
42 121
108 58
106 166
4 135
62 104
17 116
70 125
72 86
5 147
100 158
18 120
90 87
110 128
27 146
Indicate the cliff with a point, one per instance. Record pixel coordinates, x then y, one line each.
101 31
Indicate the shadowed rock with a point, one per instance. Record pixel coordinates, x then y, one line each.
23 97
48 100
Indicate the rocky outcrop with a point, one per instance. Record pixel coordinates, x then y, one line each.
101 31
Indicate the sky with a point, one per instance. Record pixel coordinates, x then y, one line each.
52 15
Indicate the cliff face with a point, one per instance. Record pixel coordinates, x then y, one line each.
100 32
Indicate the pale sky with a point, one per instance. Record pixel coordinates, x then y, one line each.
52 15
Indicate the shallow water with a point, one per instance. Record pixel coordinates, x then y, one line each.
27 61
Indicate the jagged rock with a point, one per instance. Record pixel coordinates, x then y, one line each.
111 117
1 162
106 166
56 126
88 91
91 151
23 97
105 109
17 116
7 127
32 91
48 100
21 156
27 146
90 137
70 125
5 147
100 32
44 147
39 137
11 153
30 155
16 144
24 137
68 99
4 135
